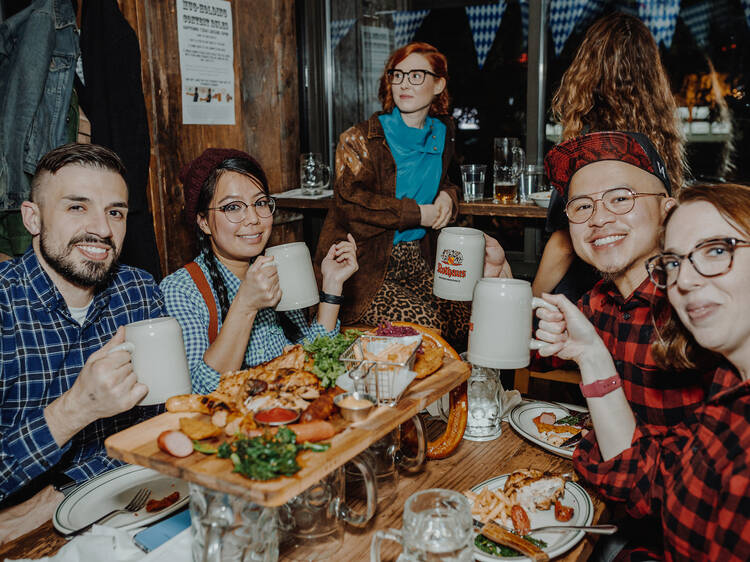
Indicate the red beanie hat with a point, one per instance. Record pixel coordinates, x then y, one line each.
194 174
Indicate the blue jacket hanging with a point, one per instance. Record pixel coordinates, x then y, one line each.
38 52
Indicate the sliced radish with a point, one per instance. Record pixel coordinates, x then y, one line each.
175 443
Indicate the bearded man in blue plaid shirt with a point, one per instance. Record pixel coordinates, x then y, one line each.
63 305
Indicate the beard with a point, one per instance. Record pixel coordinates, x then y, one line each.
87 274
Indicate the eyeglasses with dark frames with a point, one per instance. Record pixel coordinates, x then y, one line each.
710 258
236 211
618 200
416 76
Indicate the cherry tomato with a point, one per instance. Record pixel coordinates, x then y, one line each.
563 512
520 520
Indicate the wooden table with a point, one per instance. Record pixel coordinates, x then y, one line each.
476 208
472 463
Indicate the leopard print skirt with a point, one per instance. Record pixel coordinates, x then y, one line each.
406 295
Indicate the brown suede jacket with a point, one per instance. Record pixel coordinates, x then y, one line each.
365 205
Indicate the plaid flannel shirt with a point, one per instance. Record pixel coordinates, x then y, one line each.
267 340
42 350
696 476
626 325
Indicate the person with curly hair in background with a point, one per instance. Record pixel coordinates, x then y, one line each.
616 82
392 191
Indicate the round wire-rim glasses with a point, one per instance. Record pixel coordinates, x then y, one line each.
710 258
236 211
618 200
416 76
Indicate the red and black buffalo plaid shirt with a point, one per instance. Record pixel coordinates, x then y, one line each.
696 476
626 325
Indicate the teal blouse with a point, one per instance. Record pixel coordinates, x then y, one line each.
419 162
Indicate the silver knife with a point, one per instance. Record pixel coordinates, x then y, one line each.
570 441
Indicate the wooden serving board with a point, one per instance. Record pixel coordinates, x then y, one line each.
137 444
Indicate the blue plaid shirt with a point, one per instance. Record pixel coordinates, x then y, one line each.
42 350
267 339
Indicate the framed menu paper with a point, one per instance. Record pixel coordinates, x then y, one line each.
204 33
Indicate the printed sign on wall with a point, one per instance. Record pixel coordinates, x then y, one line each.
204 32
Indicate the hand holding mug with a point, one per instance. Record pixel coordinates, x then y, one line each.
107 384
569 333
339 264
260 288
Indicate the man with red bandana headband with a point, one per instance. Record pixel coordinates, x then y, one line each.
617 194
62 308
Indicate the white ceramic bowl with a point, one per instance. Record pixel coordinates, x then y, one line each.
541 198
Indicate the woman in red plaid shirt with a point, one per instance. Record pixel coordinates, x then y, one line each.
697 475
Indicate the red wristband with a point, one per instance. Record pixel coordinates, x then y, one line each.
600 388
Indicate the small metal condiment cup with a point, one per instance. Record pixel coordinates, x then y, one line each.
355 414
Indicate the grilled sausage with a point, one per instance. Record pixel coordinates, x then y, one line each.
319 409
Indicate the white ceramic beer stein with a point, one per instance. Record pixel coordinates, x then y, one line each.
500 325
158 355
459 263
299 289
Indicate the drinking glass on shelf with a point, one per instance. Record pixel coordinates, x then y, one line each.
472 176
509 162
314 175
437 526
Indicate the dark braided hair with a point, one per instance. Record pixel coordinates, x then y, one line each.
252 170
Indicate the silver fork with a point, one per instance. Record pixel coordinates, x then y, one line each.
602 529
138 501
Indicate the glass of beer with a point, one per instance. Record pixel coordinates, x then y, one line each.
509 163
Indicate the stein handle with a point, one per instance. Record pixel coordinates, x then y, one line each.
348 514
212 547
415 463
387 534
537 303
519 161
326 175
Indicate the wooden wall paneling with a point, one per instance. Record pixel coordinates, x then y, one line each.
266 106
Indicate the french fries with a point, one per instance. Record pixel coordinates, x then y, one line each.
489 505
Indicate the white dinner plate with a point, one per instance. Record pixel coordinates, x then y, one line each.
521 419
113 490
557 543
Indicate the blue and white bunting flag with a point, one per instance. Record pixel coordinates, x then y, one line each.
564 15
697 18
484 21
339 29
406 24
524 4
660 16
746 5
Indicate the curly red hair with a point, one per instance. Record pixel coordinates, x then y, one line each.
439 65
